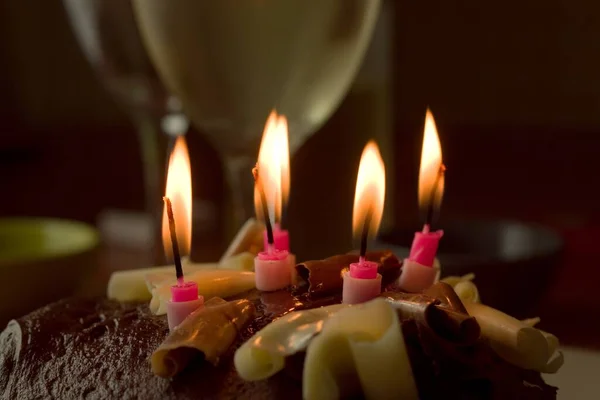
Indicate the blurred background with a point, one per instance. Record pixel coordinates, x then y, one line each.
514 89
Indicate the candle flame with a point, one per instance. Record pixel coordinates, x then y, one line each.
370 191
274 167
431 172
179 191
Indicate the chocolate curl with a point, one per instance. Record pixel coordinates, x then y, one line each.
447 296
207 334
455 320
453 326
325 276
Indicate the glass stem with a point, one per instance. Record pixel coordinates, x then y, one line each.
151 142
241 192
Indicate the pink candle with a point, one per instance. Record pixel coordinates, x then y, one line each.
184 301
272 270
418 273
361 283
417 270
184 295
416 277
424 246
281 239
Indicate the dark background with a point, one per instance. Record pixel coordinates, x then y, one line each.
514 87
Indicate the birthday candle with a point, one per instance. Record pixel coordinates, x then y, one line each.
184 295
361 281
417 271
274 267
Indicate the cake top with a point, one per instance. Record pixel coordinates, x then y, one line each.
102 348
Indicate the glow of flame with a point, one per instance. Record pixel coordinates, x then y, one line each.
370 191
431 162
179 191
274 166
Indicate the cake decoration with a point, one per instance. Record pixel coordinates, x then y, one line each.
263 355
281 237
206 333
350 356
130 285
452 324
515 341
418 273
184 295
362 282
322 277
464 287
248 240
210 282
274 266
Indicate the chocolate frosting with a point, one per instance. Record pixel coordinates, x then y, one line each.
325 276
100 349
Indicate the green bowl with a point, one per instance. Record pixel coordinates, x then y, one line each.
42 260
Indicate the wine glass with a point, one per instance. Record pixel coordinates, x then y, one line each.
232 61
108 35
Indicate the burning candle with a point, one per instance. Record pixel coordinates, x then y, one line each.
279 162
177 233
273 267
362 282
417 271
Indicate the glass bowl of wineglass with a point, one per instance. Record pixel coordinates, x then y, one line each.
231 62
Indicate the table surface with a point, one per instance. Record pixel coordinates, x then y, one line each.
578 378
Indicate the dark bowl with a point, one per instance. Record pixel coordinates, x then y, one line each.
512 261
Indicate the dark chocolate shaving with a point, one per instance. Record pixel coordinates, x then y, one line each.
325 276
455 319
447 296
454 326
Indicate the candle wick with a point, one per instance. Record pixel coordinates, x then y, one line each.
365 234
277 208
431 202
174 242
426 228
361 260
265 207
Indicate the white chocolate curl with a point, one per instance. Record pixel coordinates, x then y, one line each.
464 287
360 348
130 285
556 358
248 239
240 262
211 283
515 341
135 285
263 355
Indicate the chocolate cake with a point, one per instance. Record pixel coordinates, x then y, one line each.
100 348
